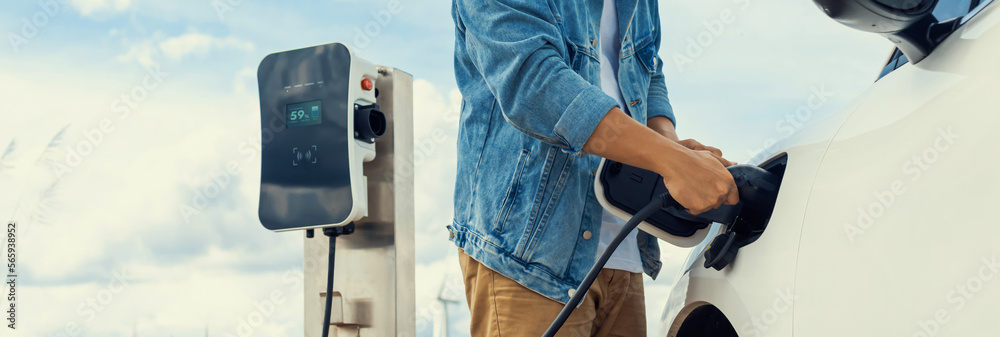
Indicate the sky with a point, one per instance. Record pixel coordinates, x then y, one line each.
119 118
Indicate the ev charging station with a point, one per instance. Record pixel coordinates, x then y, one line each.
341 163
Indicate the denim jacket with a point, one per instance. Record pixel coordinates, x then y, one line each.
528 72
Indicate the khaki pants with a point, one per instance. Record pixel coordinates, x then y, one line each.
614 305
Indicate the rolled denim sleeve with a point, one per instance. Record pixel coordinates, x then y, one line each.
519 49
659 103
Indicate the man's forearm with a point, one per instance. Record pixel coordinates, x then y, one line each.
620 138
664 126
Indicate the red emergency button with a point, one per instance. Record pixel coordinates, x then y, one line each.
367 84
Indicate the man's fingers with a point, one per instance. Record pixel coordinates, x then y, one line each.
730 198
698 146
725 162
695 212
698 209
713 150
692 144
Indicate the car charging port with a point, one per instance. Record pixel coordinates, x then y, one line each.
369 122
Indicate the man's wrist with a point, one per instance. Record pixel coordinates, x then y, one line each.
668 157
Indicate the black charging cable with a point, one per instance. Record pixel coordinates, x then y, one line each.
660 202
333 233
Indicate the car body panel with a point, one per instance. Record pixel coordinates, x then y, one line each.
899 216
806 276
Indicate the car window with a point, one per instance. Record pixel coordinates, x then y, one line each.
945 9
892 64
948 9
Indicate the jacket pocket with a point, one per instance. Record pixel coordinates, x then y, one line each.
645 53
511 194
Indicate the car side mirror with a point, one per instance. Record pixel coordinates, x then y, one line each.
906 23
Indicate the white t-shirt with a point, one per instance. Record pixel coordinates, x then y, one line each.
626 257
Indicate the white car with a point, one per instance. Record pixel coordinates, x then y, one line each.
883 225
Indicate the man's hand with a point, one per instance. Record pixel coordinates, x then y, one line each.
665 127
695 145
700 182
696 197
696 179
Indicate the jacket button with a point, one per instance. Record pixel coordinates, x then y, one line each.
586 236
451 235
571 292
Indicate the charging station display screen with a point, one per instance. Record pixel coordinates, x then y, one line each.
304 113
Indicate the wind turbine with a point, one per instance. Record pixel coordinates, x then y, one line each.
450 292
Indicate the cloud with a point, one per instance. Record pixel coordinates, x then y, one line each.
180 300
245 84
142 53
199 44
88 7
148 52
118 208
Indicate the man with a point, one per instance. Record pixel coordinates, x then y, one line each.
548 88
